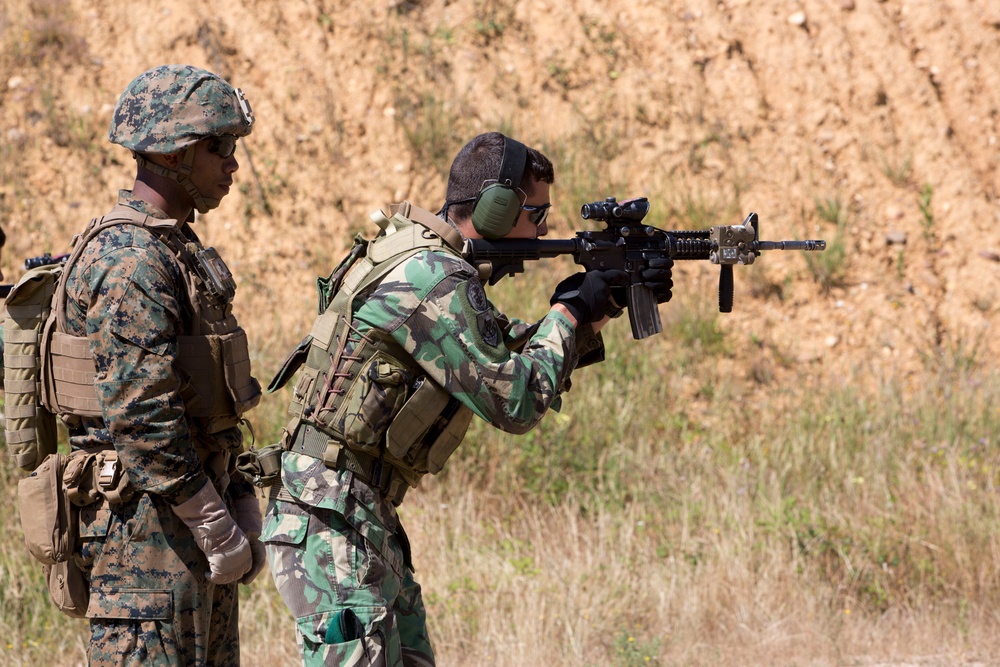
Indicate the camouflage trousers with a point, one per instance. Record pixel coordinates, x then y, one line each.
150 603
353 604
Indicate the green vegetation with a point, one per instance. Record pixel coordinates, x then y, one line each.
829 268
927 212
899 170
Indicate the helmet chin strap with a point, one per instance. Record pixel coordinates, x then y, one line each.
183 176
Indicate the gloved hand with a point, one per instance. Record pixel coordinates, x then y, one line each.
249 520
216 533
586 294
656 277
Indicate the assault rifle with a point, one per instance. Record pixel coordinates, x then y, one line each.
34 263
627 244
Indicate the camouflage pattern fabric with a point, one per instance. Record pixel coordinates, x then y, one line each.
339 551
336 544
435 307
168 108
150 603
128 296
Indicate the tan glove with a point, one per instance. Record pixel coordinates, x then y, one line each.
249 520
216 533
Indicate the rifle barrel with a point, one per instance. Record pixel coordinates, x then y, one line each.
791 245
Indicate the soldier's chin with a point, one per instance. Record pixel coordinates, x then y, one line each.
207 204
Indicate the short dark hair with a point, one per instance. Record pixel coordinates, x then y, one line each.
478 163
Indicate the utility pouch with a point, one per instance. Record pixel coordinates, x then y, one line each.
371 402
49 522
416 417
261 467
68 588
243 386
452 426
428 428
80 480
48 518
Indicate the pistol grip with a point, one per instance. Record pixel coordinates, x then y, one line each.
726 288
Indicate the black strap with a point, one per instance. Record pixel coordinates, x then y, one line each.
515 158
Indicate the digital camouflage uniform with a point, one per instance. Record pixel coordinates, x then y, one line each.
130 293
150 600
334 542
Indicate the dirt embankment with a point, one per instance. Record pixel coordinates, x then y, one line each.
871 124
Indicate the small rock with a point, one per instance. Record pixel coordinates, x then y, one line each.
797 19
831 341
895 237
847 5
15 82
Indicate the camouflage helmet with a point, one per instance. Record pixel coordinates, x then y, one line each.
169 108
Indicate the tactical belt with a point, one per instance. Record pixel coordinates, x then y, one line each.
371 470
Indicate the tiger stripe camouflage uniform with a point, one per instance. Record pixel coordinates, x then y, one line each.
336 548
150 601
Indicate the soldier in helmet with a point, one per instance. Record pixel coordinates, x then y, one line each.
169 528
406 349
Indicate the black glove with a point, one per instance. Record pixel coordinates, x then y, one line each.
656 277
586 295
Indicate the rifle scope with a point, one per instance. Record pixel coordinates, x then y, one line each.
631 210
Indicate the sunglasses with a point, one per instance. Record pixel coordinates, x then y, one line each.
223 146
537 214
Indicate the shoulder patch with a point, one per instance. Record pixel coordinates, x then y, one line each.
476 295
488 328
486 323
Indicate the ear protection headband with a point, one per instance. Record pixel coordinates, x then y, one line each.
497 206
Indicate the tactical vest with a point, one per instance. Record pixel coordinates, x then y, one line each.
213 359
361 402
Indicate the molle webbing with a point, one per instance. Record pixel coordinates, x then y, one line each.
379 454
213 365
71 373
30 430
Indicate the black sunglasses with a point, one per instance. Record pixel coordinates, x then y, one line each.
223 146
537 214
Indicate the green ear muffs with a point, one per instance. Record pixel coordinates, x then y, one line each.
497 205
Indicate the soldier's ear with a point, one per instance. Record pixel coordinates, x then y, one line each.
172 160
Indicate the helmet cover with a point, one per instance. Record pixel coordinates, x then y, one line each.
171 107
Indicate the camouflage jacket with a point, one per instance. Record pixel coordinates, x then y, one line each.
435 307
126 294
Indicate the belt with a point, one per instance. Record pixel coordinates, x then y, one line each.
372 470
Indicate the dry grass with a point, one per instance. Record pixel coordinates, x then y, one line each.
650 523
